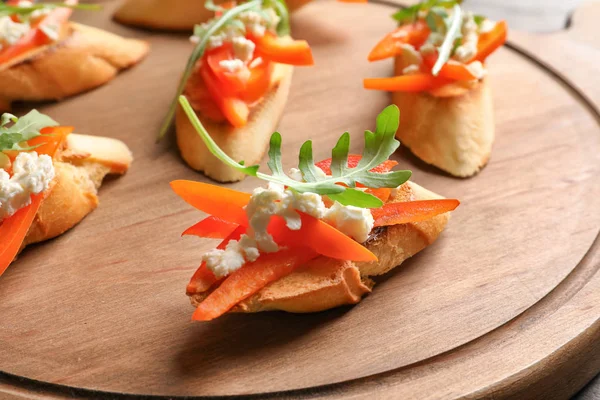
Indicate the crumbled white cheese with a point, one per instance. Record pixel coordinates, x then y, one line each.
11 32
231 65
243 49
31 175
477 69
427 49
487 26
412 58
254 22
295 174
468 49
263 205
353 221
435 38
226 34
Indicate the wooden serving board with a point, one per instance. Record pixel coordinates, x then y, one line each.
506 304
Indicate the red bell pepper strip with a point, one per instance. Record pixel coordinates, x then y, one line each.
230 83
204 278
36 37
14 228
211 228
353 160
249 279
233 108
412 211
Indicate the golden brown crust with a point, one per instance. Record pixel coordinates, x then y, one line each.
79 170
86 58
248 143
453 132
172 15
324 283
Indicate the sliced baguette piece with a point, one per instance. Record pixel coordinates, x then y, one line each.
248 143
80 169
324 283
172 15
86 58
453 130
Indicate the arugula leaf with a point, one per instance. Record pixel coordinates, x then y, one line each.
8 10
479 19
379 145
24 128
453 33
410 14
215 26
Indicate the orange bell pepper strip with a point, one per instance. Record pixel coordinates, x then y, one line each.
234 109
382 194
14 229
415 34
204 278
451 70
228 205
283 50
36 37
412 211
490 41
223 203
353 160
211 228
249 279
402 83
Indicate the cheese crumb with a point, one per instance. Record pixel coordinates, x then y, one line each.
353 221
232 66
31 175
243 48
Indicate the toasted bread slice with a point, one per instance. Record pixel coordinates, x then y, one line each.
86 58
325 283
248 143
80 169
172 15
453 130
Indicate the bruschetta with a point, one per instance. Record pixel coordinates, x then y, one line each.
311 239
49 179
237 80
177 15
441 83
44 56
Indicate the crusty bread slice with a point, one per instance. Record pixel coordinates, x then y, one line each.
172 15
248 143
325 283
453 130
86 58
80 169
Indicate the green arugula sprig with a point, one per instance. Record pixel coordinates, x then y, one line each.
27 127
411 14
7 10
204 32
453 32
341 185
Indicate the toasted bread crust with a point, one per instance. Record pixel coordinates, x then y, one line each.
74 193
325 283
86 58
172 15
453 132
248 143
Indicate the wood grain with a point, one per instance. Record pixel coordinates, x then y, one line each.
505 304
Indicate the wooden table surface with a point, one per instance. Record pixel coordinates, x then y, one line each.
536 16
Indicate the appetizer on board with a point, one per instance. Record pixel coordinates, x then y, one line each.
237 80
312 238
441 83
44 56
49 179
178 15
